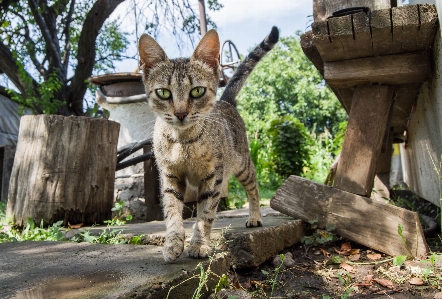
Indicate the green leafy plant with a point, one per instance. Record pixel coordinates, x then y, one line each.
118 219
399 260
272 278
319 236
32 232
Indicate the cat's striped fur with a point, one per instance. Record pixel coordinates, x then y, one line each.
199 143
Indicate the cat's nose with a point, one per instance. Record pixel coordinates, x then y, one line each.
181 115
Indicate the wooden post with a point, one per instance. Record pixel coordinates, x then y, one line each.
152 188
64 169
8 162
363 139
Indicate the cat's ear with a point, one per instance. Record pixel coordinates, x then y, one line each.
208 49
150 51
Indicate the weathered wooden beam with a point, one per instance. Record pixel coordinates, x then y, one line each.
391 69
405 24
403 29
361 219
309 48
367 122
322 9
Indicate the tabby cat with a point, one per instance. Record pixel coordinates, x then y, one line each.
198 142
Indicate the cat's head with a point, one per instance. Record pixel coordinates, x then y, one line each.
181 91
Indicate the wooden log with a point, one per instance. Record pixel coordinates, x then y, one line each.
363 139
361 219
391 69
64 169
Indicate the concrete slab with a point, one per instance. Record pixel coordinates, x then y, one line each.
83 270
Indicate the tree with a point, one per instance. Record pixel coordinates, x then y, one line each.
50 48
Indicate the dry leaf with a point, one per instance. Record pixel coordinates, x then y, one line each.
374 256
416 281
75 226
354 251
346 266
384 282
345 249
325 252
354 257
368 278
346 246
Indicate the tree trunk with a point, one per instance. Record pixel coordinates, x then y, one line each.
64 169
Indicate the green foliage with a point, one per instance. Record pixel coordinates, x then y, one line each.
291 145
119 218
32 232
294 122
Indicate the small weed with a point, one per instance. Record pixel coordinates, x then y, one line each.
118 219
320 236
399 260
272 278
203 277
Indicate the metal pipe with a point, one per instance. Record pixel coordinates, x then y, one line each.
203 20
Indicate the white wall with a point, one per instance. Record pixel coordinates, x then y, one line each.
421 157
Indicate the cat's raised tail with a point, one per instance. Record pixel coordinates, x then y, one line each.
247 65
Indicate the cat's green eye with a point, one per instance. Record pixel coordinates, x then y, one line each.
163 93
197 92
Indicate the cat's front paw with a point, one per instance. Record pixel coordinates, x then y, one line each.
172 249
254 222
198 251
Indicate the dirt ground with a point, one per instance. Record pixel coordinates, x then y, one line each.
317 273
342 269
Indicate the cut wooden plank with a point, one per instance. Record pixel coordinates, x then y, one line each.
309 48
405 24
403 29
390 69
427 26
322 9
361 219
363 139
341 36
380 25
362 35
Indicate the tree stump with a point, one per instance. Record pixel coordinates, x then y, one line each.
64 169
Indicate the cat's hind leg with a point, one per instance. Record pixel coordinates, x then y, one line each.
247 177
